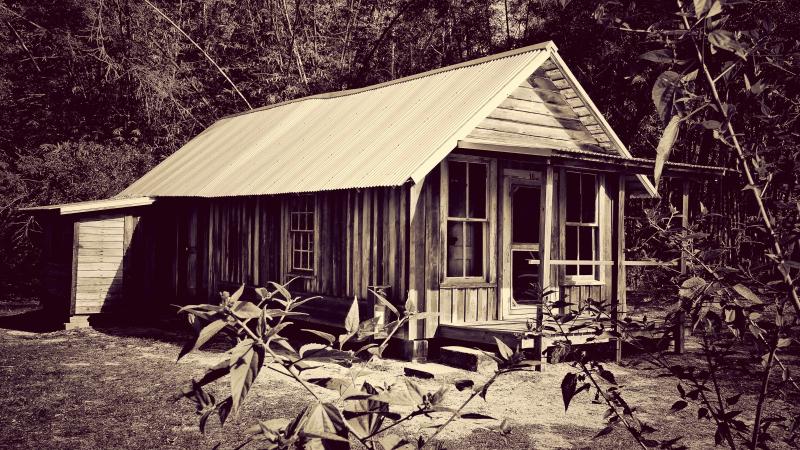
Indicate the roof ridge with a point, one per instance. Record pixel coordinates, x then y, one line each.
550 46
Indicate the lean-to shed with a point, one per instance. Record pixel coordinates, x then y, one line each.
467 189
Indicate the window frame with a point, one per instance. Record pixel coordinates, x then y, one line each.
488 267
597 249
289 237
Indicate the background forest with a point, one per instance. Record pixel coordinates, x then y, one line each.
96 92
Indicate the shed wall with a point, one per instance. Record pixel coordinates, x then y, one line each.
98 272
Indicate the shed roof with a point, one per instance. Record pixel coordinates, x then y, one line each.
382 135
91 206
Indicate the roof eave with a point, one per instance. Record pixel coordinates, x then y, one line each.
90 206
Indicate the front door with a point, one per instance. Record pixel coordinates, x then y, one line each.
522 234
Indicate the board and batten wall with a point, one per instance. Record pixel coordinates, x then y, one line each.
360 241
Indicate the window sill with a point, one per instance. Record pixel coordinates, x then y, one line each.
454 283
308 276
579 282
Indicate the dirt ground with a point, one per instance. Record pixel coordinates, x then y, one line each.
110 388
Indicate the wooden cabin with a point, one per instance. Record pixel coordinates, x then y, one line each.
468 189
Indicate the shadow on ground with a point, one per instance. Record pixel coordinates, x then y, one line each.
30 320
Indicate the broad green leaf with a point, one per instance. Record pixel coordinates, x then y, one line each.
665 146
784 342
383 301
313 347
505 351
327 336
352 320
665 89
282 290
246 310
662 56
322 419
410 306
726 40
691 287
367 424
208 332
246 361
747 294
414 391
299 303
707 8
569 387
237 295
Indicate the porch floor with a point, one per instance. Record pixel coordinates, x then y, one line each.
510 330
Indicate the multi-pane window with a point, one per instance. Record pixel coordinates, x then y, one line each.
301 233
467 218
582 228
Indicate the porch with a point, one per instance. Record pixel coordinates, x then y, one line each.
515 330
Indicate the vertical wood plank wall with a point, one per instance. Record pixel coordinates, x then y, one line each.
367 237
361 241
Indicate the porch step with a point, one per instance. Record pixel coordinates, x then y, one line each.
467 358
429 371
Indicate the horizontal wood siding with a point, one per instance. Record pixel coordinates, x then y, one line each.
98 283
538 113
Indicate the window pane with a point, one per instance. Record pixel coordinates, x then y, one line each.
477 191
586 248
571 247
588 198
573 199
473 251
525 215
457 189
455 254
525 277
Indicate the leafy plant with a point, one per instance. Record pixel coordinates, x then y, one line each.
363 412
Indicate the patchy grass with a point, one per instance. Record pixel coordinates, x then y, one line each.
111 388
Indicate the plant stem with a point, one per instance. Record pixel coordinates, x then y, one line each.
780 260
460 408
589 375
762 395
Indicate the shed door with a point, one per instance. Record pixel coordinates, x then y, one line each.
522 234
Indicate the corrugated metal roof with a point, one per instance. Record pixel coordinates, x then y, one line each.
384 135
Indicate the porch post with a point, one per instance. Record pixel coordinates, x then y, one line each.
618 300
684 217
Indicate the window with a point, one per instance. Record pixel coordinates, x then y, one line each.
467 219
582 228
301 234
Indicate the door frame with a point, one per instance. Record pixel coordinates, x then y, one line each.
543 178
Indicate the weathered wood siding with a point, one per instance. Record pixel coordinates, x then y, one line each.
361 241
98 264
454 304
537 114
